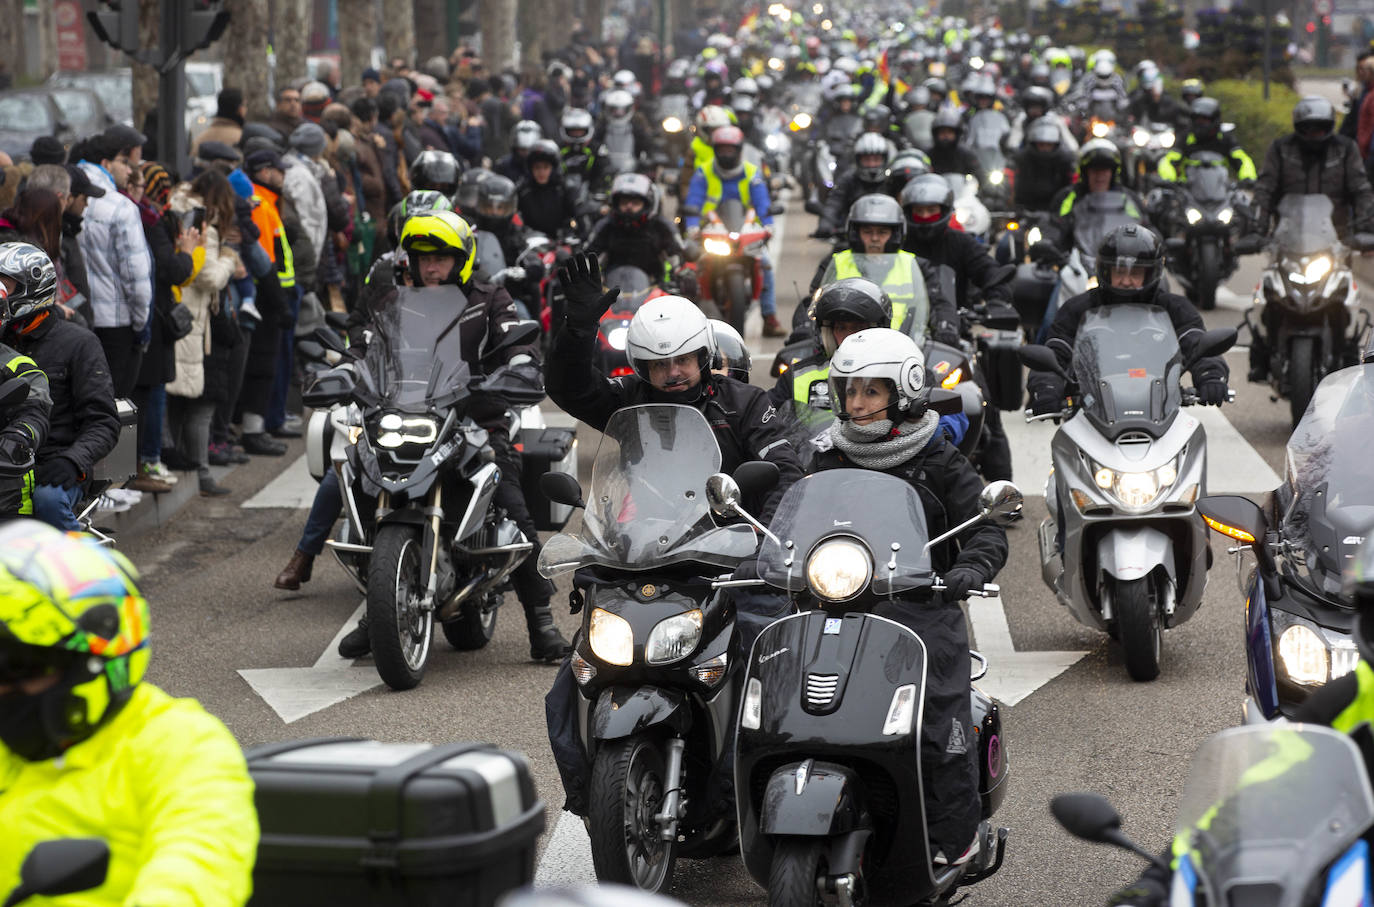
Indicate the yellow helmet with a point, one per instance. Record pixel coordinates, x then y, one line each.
69 609
441 233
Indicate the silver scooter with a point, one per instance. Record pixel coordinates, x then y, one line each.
1124 548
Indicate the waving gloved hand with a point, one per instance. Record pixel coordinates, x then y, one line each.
959 580
1047 253
580 278
57 471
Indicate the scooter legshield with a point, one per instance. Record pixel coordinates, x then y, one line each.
1128 553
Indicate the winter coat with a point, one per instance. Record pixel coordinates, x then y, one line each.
1336 170
221 129
303 186
173 267
216 264
373 184
118 265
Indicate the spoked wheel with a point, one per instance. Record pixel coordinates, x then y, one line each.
399 628
475 625
627 791
1138 625
794 879
1304 374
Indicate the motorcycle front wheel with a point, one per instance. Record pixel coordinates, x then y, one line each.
1138 627
627 790
737 291
398 627
793 877
1304 374
1208 274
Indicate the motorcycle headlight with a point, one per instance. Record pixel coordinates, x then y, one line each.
1225 215
615 338
396 430
800 121
672 124
838 570
1304 656
1193 215
716 246
775 64
673 638
996 177
1034 236
1317 268
611 637
1101 129
1140 137
1166 139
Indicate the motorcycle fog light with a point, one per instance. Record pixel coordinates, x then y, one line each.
1304 656
672 124
673 638
1104 477
615 338
838 570
901 710
1225 215
713 671
1140 137
716 246
1193 215
582 669
1137 489
612 638
751 710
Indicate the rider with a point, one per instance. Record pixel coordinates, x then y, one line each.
618 113
878 382
947 155
82 422
868 175
635 233
1044 168
730 176
26 424
732 354
1037 103
392 267
1206 135
580 154
1149 103
905 167
437 170
88 749
442 251
546 204
522 138
1099 165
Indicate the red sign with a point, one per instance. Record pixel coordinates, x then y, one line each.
71 35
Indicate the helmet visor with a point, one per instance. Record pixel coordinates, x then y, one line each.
1128 272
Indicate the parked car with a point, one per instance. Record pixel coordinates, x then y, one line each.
67 113
114 86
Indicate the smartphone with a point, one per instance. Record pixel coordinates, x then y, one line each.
198 218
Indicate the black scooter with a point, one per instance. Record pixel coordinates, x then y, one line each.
827 762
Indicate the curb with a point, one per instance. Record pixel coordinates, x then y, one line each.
156 510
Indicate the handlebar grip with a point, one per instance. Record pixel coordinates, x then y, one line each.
989 590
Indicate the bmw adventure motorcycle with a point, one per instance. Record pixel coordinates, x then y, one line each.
1123 547
1204 256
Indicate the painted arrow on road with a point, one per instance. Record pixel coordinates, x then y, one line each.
1012 675
294 693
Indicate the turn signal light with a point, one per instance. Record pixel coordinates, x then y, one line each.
1232 531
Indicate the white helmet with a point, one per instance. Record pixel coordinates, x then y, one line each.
623 78
619 105
732 353
881 353
666 327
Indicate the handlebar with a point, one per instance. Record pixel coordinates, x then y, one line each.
1188 396
988 590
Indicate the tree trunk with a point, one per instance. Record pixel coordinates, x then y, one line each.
497 22
431 38
145 77
47 36
292 34
12 40
593 21
357 32
245 55
541 30
398 28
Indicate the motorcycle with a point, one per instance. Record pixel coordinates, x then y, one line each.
986 132
1149 143
1095 215
674 119
1308 295
827 766
969 208
1290 551
61 866
1271 814
1203 257
655 698
1124 548
422 537
731 271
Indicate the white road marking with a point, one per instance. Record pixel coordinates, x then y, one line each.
567 860
294 488
1012 675
294 693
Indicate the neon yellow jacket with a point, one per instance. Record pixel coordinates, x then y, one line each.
165 784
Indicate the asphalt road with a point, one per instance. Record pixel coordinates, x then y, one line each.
209 577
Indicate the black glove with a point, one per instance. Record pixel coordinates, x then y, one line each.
15 448
57 471
1212 392
1144 892
1045 399
959 580
1046 253
946 333
580 278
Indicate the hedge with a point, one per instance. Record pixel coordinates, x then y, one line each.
1258 122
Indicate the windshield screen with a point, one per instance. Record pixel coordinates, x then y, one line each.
1127 364
1097 214
1209 179
900 277
1268 807
646 506
881 510
416 357
1305 225
986 129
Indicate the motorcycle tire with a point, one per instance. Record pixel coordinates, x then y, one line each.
737 292
399 630
474 626
1138 627
1304 374
1208 275
628 786
792 876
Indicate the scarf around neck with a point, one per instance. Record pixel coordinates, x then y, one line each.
880 444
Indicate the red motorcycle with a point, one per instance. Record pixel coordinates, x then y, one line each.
635 289
731 270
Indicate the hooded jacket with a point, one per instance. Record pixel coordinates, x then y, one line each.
214 264
118 266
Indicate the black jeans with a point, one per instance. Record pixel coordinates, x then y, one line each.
124 356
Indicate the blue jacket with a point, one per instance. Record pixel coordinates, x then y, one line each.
758 197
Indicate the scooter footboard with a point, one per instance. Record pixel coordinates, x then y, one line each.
1128 553
810 799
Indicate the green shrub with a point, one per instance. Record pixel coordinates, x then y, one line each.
1258 122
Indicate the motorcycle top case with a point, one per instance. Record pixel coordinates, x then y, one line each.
546 450
361 822
122 462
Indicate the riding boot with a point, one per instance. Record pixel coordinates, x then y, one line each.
296 571
356 643
546 642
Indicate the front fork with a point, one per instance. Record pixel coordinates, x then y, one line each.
669 814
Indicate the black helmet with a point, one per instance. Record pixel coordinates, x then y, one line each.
904 168
417 202
435 170
732 354
1206 116
1190 90
928 189
1358 587
1039 75
1132 246
545 150
854 299
632 185
495 204
877 119
1098 153
1044 131
1037 95
870 144
875 211
469 188
1314 121
947 118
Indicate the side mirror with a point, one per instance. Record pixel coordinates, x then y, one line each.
1362 242
946 403
1000 502
756 477
561 488
1088 816
812 206
13 392
1039 358
62 866
723 494
517 333
331 387
1235 517
1214 343
331 341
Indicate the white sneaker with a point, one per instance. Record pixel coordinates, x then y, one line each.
156 470
249 308
969 854
107 504
127 495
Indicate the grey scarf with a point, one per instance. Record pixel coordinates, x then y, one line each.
872 446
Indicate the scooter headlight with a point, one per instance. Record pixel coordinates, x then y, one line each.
611 637
901 711
672 125
838 570
1304 656
673 638
1136 491
716 246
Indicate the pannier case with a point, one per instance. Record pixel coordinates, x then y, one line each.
546 450
361 822
121 463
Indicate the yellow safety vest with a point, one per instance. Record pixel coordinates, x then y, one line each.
715 188
901 274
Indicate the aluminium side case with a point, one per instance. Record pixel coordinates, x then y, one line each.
121 463
360 822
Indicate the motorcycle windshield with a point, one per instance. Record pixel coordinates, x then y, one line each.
964 185
416 355
628 278
900 277
986 128
1305 225
1267 808
731 214
490 256
646 506
1327 470
880 511
1127 364
1209 179
1097 214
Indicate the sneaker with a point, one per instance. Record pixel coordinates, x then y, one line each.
968 854
107 504
156 470
149 484
249 309
129 496
220 455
